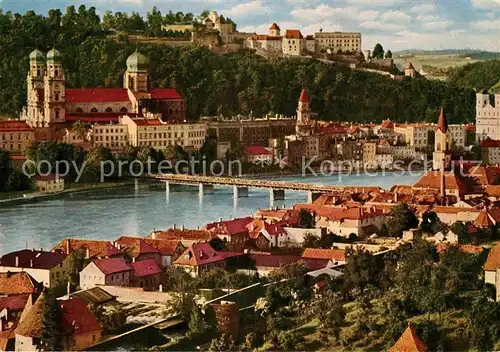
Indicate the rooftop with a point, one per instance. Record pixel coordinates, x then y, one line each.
28 258
146 267
337 255
201 254
96 95
96 249
17 283
111 265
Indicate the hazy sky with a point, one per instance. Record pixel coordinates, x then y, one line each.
397 24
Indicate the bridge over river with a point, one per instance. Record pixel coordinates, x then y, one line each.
241 185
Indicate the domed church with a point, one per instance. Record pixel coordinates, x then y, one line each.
52 107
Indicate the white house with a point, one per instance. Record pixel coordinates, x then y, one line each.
111 271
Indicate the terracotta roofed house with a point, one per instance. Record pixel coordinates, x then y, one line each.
146 274
110 271
186 236
201 257
409 342
491 268
80 327
233 232
45 267
169 250
138 249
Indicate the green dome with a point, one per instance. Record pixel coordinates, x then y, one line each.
137 62
37 55
53 55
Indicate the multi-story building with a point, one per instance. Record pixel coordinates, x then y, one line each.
156 133
251 131
487 117
338 42
15 136
293 43
490 150
271 42
112 136
416 135
458 135
370 155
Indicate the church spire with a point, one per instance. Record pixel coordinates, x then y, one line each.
442 122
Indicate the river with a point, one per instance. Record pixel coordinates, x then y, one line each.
108 214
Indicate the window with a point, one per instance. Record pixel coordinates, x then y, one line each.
57 114
93 110
109 110
123 109
57 96
80 110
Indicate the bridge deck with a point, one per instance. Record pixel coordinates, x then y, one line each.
252 183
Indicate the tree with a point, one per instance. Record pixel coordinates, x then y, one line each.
306 219
223 343
181 304
288 341
401 218
388 54
81 129
378 51
430 222
329 309
197 324
51 339
253 341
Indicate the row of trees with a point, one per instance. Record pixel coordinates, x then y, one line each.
11 179
230 84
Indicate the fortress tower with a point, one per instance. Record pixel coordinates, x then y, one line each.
303 114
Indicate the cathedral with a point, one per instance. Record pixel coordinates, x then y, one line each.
51 107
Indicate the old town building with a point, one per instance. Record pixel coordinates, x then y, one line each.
338 42
15 136
487 116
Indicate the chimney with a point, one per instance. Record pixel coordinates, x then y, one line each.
395 197
153 235
174 226
17 260
87 253
68 246
68 288
31 262
160 288
182 227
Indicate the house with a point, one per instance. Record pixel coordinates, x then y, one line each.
290 217
49 183
91 249
81 329
137 249
293 43
201 258
18 283
409 342
48 268
266 235
259 155
266 263
11 308
146 274
492 268
335 256
169 250
233 233
111 271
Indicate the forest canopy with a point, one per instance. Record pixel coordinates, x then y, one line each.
236 83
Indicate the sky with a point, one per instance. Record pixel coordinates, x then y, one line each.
396 24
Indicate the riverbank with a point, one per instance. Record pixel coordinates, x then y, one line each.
33 197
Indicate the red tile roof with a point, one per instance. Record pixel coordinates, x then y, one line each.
201 254
17 283
165 247
409 342
111 265
493 261
94 119
96 95
184 234
490 143
135 246
78 318
230 227
484 220
97 249
13 303
165 93
337 255
145 268
274 229
147 122
258 150
432 179
14 126
5 337
32 259
276 261
387 124
293 34
274 26
442 122
338 214
304 98
465 248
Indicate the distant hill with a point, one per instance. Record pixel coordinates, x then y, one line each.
473 54
479 75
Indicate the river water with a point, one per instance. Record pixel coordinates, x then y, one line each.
108 214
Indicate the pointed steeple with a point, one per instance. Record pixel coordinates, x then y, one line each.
409 342
304 98
442 122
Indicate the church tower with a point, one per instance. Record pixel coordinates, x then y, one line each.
441 156
34 111
303 126
136 78
54 89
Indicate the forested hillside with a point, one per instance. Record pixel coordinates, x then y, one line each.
479 75
231 84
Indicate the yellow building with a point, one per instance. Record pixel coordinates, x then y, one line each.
293 43
338 41
15 135
112 136
415 135
155 133
49 184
